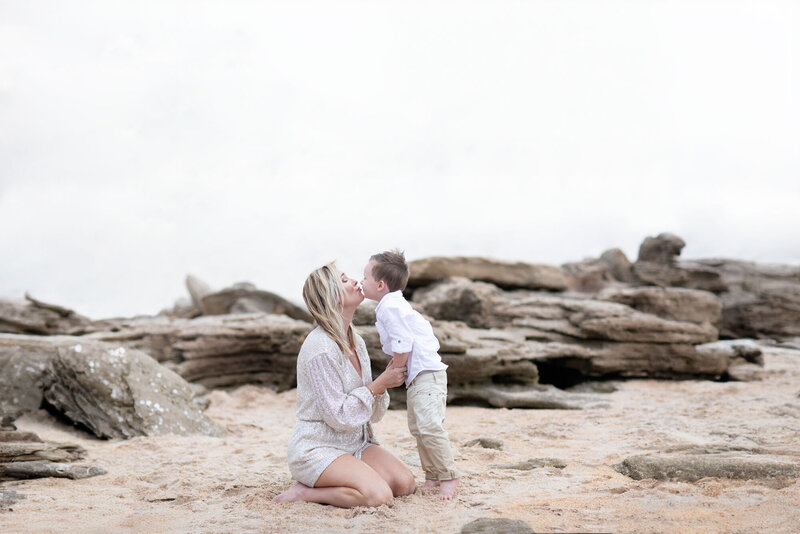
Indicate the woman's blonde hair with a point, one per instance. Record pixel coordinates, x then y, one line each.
323 294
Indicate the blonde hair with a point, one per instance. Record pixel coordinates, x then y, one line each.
323 294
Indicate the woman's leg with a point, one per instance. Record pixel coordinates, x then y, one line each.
346 482
393 471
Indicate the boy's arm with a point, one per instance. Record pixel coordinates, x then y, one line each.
400 359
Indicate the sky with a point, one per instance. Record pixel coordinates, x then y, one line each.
256 141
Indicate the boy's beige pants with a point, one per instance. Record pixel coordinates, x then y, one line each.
425 401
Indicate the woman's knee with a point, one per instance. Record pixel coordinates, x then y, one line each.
404 484
377 494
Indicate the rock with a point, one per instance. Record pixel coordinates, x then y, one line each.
618 265
183 308
460 299
553 317
663 249
245 298
602 359
14 435
759 300
735 350
532 464
198 290
746 372
510 396
32 458
365 313
219 350
496 525
640 327
693 465
690 275
22 451
677 304
41 469
486 443
37 317
113 391
587 276
501 273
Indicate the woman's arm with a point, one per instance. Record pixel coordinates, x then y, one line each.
341 411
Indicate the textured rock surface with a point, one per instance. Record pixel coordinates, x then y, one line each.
496 525
36 317
533 463
221 350
246 298
113 391
760 300
24 455
677 304
501 273
554 317
664 249
693 465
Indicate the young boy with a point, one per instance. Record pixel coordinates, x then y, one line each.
408 338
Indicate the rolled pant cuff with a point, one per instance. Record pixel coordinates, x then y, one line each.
443 475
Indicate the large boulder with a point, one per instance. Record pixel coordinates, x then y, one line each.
112 391
219 350
501 273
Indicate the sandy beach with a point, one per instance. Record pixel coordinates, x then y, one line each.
202 484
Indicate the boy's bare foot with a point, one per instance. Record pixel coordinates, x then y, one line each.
447 489
295 493
430 484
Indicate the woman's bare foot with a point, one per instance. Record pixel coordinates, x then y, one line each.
447 489
295 493
430 484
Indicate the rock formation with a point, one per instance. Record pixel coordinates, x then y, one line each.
24 455
112 391
218 350
37 317
501 273
693 464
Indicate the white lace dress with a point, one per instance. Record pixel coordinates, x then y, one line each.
335 410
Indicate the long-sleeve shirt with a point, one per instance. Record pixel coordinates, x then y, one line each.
335 409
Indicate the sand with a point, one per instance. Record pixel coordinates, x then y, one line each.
200 484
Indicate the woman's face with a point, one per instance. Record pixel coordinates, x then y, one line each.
352 292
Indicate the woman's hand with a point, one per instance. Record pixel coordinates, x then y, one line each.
392 377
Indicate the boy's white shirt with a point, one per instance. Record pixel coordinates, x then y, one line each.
403 329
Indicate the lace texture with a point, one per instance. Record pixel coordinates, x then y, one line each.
335 410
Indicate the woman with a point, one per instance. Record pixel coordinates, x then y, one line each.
333 452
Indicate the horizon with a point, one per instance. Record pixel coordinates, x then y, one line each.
140 143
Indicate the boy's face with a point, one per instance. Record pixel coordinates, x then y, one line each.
372 289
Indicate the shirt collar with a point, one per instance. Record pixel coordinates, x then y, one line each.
394 295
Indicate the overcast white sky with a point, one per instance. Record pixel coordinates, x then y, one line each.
141 141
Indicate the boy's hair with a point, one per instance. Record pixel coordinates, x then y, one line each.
390 266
